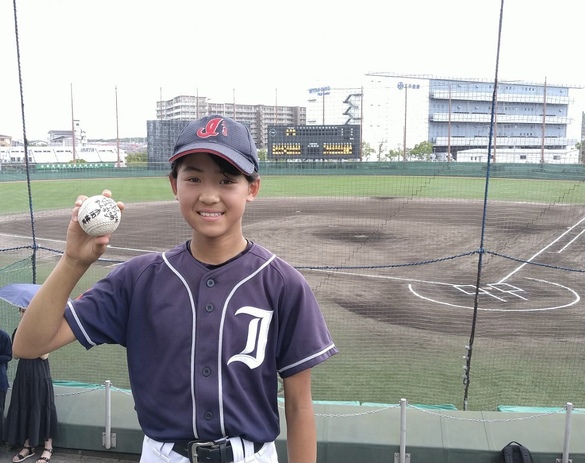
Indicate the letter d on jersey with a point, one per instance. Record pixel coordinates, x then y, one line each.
257 337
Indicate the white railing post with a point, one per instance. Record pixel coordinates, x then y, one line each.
569 411
108 439
402 454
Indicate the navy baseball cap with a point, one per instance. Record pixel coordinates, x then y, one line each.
222 137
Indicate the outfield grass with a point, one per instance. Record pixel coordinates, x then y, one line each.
56 194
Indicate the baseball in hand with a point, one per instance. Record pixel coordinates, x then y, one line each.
99 215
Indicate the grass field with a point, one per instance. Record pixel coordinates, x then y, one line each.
55 194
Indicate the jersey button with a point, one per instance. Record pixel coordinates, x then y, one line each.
209 308
208 416
210 283
206 371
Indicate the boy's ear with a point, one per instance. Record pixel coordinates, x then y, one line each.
173 182
253 190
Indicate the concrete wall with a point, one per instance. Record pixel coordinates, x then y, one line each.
349 433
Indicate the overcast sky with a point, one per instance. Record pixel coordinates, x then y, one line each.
260 51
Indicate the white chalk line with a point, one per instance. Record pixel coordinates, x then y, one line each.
542 250
575 300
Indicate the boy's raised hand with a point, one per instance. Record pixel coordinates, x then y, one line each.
83 249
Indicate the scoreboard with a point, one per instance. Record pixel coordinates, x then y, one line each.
311 142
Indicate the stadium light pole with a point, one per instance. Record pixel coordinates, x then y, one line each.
324 92
449 129
234 103
160 114
405 113
276 106
495 129
117 131
72 128
543 123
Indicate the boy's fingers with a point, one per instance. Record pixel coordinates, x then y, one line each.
78 202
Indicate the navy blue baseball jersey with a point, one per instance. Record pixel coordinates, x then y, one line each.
204 346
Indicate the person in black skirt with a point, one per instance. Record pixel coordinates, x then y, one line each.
32 416
5 357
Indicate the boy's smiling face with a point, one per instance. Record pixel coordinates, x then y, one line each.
212 200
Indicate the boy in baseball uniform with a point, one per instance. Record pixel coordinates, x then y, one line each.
208 326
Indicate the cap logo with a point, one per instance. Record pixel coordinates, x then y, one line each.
210 129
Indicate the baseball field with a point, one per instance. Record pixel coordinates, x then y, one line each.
431 293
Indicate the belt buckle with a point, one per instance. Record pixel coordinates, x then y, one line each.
192 447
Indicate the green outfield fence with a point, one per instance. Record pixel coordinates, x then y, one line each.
442 282
51 171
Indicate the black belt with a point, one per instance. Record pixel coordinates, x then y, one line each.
212 452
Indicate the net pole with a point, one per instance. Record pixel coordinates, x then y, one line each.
481 251
25 146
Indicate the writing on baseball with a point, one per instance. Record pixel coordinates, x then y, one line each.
99 215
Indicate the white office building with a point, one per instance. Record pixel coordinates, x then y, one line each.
530 123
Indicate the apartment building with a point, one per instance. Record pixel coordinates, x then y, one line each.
256 117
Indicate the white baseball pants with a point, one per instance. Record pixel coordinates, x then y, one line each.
161 452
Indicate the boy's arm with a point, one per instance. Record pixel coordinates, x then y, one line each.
43 327
301 434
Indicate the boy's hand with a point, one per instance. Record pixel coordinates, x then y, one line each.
81 248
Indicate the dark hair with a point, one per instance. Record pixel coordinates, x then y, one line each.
226 167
